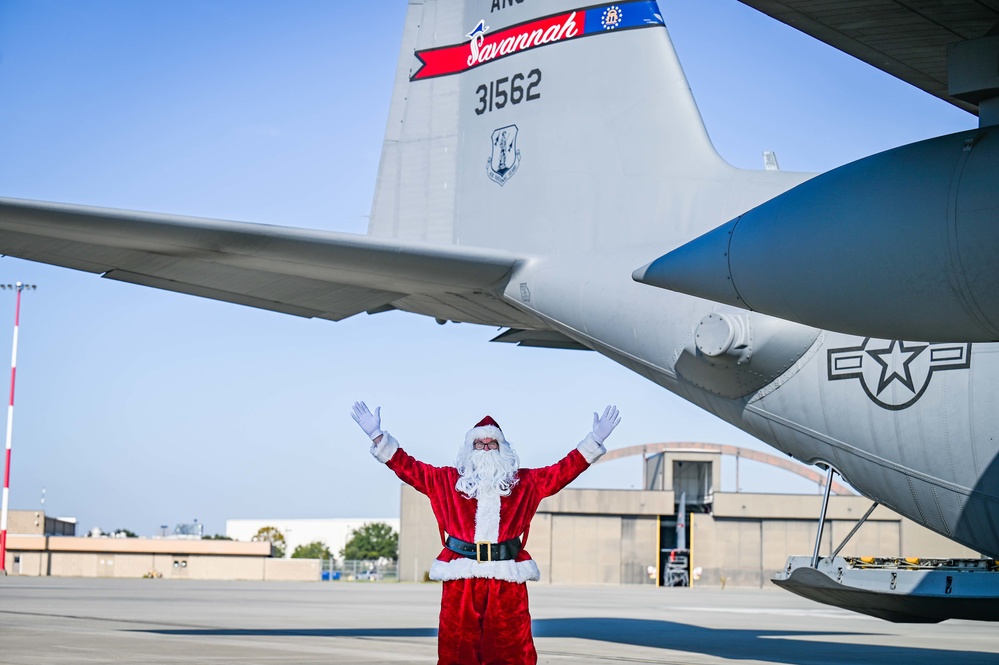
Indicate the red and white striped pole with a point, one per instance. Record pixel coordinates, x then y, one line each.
10 425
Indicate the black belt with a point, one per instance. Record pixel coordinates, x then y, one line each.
484 550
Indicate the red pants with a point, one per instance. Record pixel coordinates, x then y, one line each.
485 622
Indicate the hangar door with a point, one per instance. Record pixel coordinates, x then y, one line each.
694 479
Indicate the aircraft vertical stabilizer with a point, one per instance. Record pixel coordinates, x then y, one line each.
487 145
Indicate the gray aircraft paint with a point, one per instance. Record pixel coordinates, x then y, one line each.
636 176
908 237
635 169
614 170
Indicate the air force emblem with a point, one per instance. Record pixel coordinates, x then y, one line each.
505 157
896 373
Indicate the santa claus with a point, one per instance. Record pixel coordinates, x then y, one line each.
484 505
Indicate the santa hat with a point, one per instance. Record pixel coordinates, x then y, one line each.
487 428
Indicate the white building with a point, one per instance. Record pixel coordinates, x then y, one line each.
333 532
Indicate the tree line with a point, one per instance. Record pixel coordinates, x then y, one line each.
375 540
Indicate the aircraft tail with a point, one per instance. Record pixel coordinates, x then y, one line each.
547 130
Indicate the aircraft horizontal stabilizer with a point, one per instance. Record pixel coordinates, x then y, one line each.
545 339
303 272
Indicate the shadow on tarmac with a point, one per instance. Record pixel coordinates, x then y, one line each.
760 645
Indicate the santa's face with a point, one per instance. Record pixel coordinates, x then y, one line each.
486 467
486 444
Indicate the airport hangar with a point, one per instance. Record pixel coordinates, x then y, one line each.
606 536
579 536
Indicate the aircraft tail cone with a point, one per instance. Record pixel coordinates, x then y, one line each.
699 268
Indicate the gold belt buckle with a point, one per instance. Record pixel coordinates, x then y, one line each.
479 544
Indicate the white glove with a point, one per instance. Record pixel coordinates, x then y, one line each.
604 425
371 423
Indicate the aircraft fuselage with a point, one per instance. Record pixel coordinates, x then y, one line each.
909 424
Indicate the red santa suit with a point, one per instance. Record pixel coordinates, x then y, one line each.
484 607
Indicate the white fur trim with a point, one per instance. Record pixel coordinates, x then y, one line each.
487 518
484 432
384 451
463 569
590 449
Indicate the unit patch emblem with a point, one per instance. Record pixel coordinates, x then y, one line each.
504 160
895 373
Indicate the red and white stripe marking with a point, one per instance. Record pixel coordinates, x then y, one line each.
10 429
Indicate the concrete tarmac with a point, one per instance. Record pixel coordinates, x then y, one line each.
53 621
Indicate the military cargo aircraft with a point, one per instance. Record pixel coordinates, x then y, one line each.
539 164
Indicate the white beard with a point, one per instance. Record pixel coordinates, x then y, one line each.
486 472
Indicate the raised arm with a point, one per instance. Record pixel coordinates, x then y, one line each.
386 450
551 479
371 423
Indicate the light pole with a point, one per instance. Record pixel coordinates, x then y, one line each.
10 422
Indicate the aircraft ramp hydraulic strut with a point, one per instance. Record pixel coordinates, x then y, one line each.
902 590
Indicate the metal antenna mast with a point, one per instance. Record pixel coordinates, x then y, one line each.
10 423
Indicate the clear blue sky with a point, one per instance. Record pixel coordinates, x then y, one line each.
137 407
